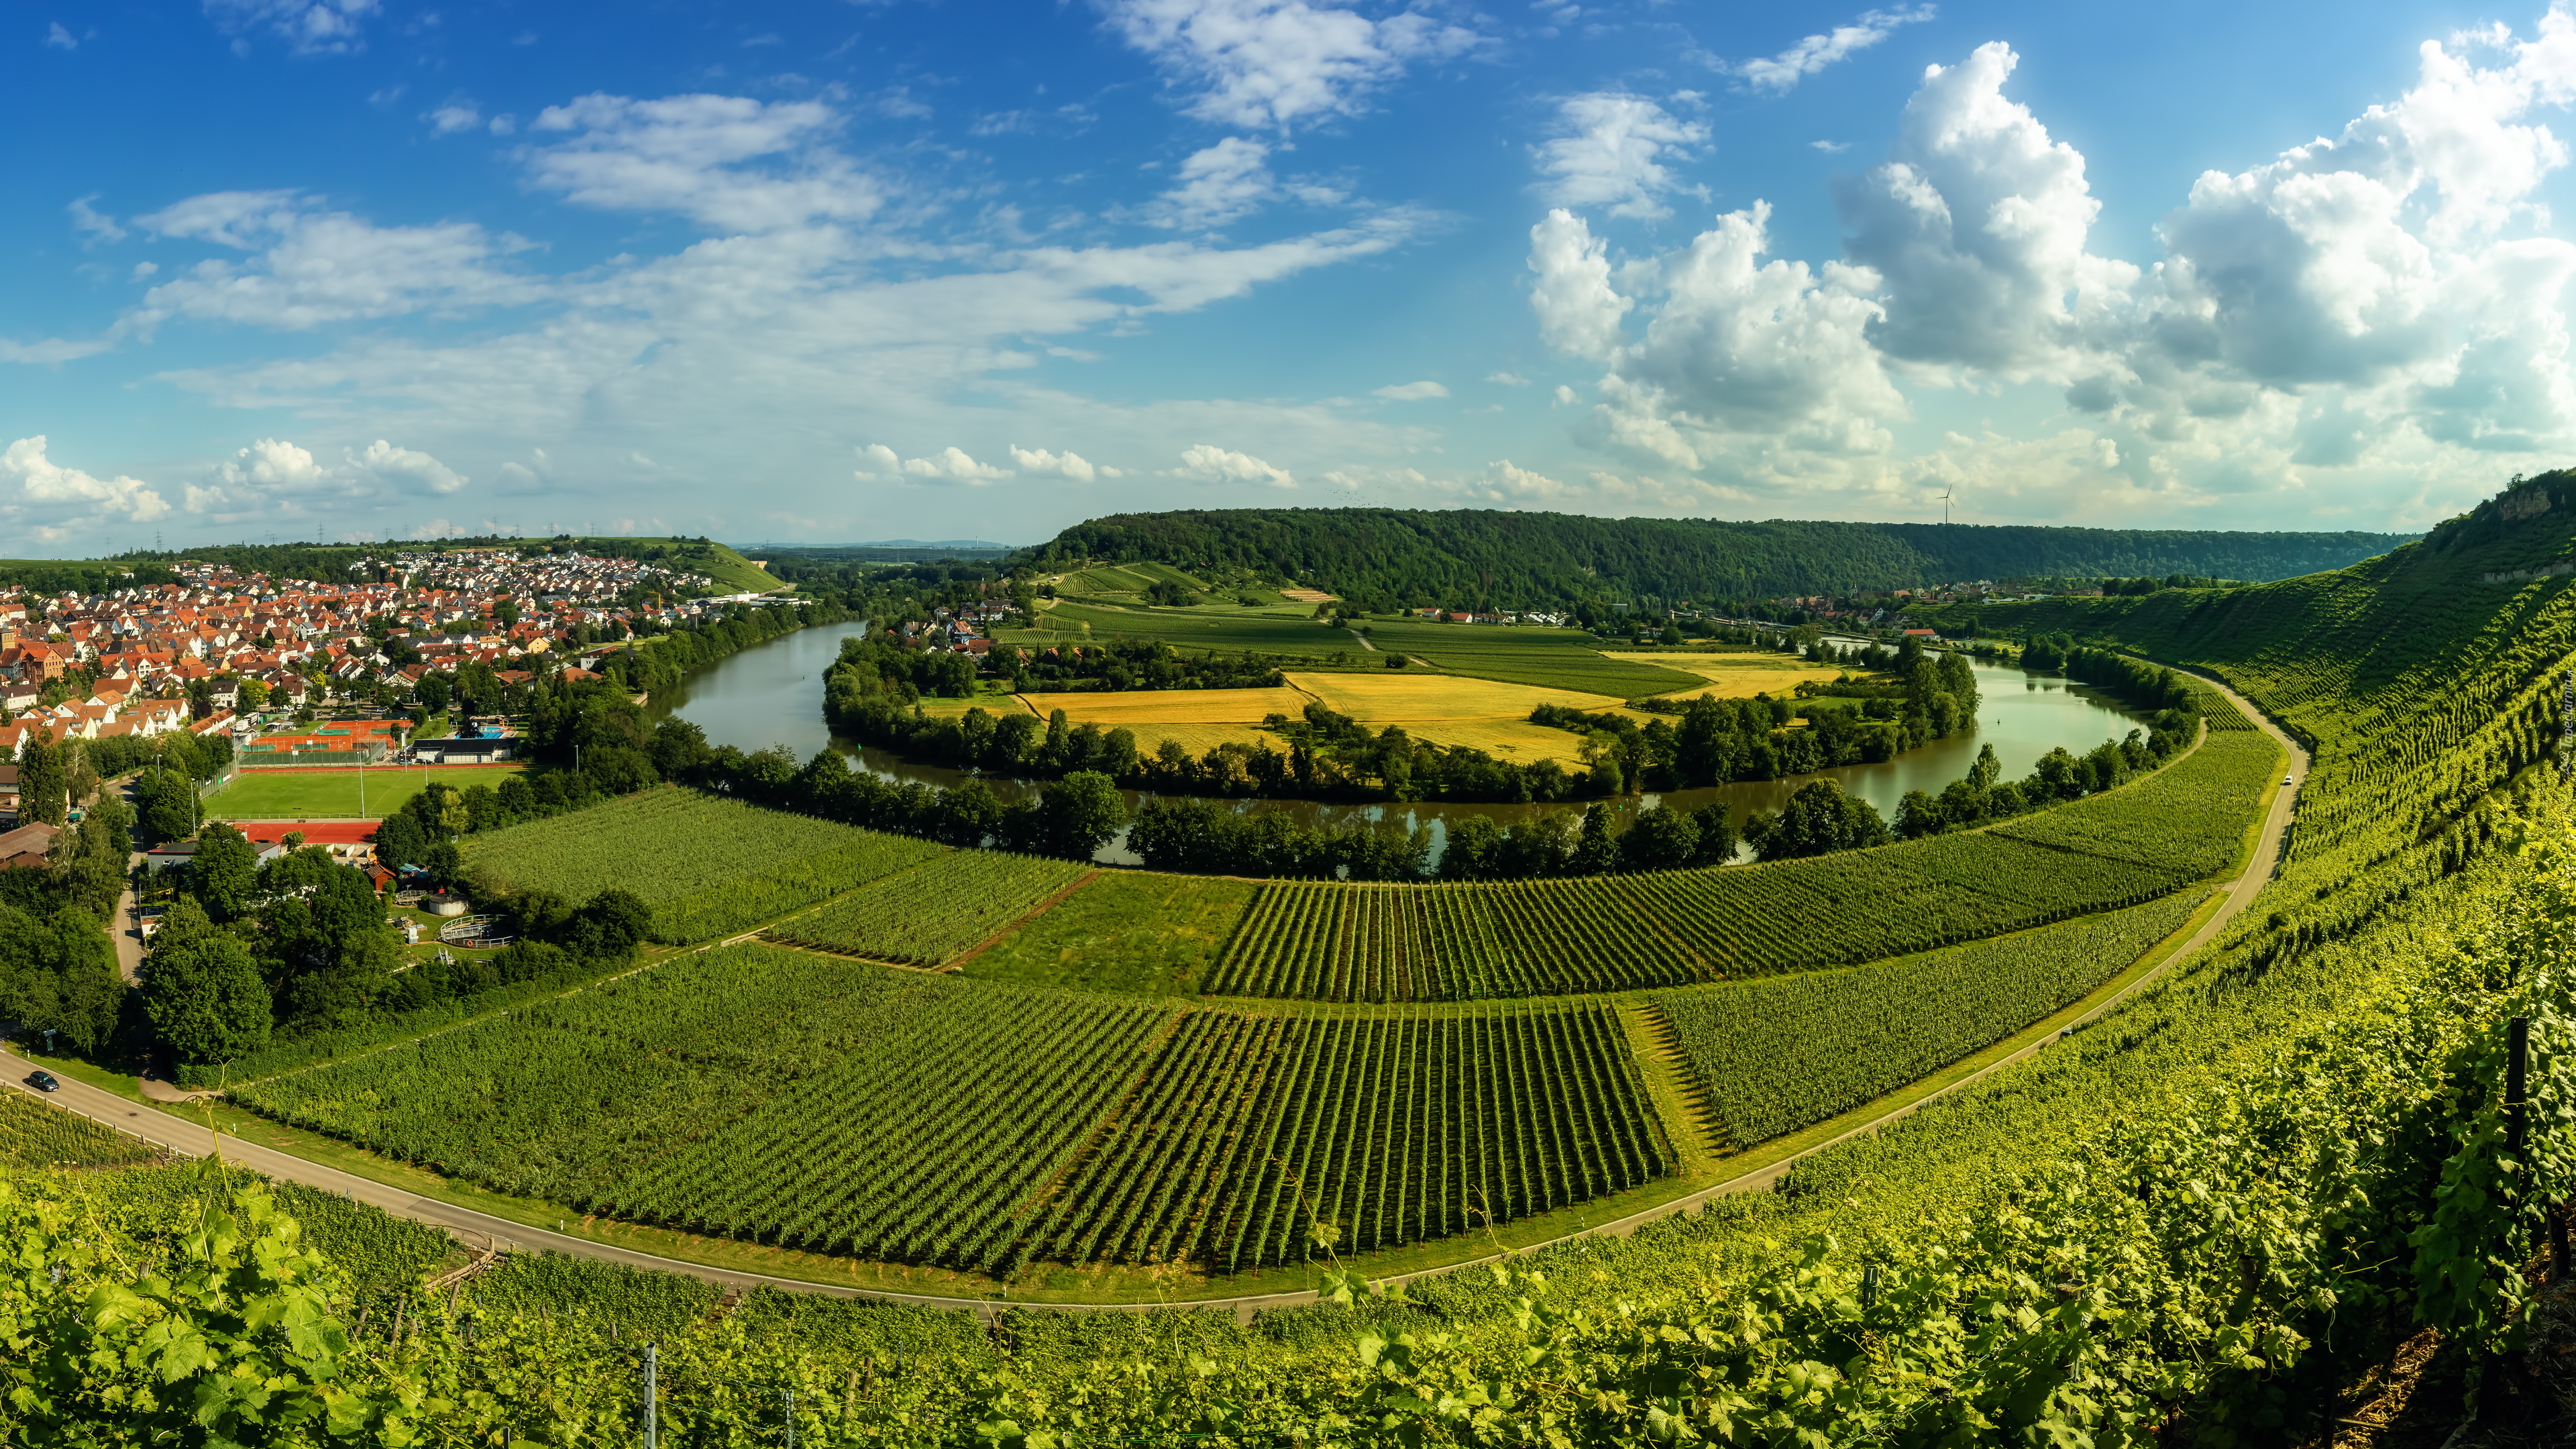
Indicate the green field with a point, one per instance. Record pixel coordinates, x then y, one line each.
336 790
1287 629
937 909
1557 658
1130 930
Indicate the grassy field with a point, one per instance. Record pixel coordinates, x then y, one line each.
1735 675
1285 629
1557 658
987 697
292 794
1126 931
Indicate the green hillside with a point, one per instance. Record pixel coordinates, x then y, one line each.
2280 1194
1477 556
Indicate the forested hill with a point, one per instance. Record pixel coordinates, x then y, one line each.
1522 559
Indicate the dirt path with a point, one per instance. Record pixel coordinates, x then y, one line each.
194 1141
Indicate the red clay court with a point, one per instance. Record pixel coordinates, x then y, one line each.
316 832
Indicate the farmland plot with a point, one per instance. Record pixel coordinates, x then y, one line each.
935 910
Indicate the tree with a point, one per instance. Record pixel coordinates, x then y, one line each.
400 841
1594 850
432 692
1661 838
201 989
1079 813
170 807
58 973
1919 815
223 876
611 925
252 693
40 780
1818 819
88 864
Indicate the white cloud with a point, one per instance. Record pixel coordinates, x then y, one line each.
51 350
1831 148
93 223
948 465
1611 153
1219 184
1781 72
1273 63
273 475
1219 465
44 500
453 117
61 39
1507 379
1412 391
406 470
309 27
1977 225
1578 312
312 267
691 155
1732 344
1068 464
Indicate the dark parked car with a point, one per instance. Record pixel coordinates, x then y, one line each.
42 1081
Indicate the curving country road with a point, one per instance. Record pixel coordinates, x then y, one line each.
193 1140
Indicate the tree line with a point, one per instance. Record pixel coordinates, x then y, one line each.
1389 558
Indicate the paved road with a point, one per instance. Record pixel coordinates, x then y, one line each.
481 1229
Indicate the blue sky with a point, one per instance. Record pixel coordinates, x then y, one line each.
378 268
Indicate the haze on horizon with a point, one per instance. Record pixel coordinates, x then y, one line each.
358 269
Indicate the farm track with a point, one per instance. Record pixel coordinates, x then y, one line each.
188 1139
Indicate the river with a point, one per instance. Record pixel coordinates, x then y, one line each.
772 694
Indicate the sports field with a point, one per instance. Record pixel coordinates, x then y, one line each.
339 791
1736 675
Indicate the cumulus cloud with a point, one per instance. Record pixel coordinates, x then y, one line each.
1219 465
42 499
1275 63
453 117
1782 72
695 155
1068 464
1222 183
1412 391
948 465
311 266
1507 379
275 475
60 39
1733 344
1611 152
406 470
1977 225
309 27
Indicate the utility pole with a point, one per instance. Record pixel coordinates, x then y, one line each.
652 1412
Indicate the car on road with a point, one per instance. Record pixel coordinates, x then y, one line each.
42 1081
2286 780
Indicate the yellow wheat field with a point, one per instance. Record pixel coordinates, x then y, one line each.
1412 699
1136 708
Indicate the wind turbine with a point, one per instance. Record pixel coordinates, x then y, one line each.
1945 507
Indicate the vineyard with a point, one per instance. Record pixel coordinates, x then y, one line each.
1774 1055
34 1134
1333 942
928 914
1253 1130
834 1106
707 865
